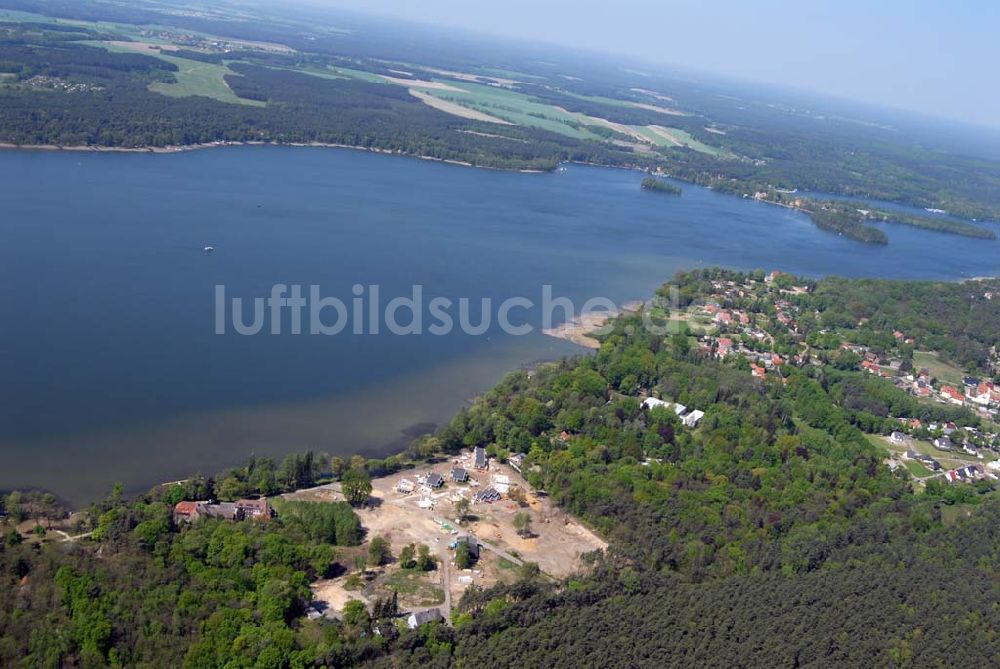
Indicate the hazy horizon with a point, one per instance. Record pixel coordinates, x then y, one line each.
921 57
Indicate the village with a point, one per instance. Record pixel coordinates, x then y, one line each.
757 322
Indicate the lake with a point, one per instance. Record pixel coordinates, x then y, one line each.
110 367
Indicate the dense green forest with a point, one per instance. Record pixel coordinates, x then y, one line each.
769 534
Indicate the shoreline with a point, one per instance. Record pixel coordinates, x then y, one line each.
184 148
580 329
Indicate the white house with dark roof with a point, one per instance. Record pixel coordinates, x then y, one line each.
419 618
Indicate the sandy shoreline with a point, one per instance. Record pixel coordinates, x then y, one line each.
581 328
180 148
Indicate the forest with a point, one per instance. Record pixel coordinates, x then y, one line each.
770 534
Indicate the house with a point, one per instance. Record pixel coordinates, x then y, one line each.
435 480
254 509
224 510
952 394
930 462
404 486
419 618
723 318
757 371
479 457
471 542
942 444
899 437
970 449
487 495
188 511
725 347
652 403
691 420
459 475
516 461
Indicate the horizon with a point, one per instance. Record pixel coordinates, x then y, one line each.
829 41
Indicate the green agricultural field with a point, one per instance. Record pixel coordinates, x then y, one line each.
685 138
193 77
322 73
939 369
515 107
196 78
357 74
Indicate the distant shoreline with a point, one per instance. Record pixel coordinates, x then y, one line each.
182 148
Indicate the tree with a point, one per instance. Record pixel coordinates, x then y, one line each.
408 557
360 563
462 509
425 561
232 488
522 523
357 486
337 466
463 556
518 495
378 552
356 615
528 571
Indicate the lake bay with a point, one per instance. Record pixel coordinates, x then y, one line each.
110 368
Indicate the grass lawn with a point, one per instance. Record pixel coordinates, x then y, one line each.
948 459
916 469
938 368
952 513
414 587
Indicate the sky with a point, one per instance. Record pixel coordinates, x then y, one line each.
938 57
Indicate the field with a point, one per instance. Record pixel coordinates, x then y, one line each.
666 136
455 109
196 78
938 368
516 108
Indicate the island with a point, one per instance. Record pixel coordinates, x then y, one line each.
659 186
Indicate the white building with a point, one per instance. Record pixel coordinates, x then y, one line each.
691 420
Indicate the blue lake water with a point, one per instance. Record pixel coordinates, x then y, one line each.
110 368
